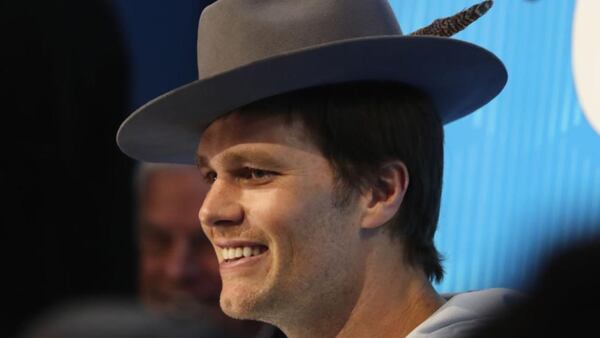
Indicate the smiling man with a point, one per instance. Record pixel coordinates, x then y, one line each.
320 129
296 230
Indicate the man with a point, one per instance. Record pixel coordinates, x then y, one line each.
319 127
178 274
177 271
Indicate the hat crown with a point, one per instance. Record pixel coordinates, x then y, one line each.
233 33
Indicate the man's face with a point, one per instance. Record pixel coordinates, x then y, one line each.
178 269
272 201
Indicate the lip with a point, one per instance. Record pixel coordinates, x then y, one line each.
242 263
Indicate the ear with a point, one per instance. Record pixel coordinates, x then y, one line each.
383 200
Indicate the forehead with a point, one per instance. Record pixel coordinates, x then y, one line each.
239 128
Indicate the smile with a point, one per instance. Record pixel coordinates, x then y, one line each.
231 254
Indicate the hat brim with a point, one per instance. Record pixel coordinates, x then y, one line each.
460 77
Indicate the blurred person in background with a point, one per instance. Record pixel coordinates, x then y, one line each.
178 269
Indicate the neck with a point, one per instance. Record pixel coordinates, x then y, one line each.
393 300
395 312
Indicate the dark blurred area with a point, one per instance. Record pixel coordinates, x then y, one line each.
66 69
115 319
562 301
66 222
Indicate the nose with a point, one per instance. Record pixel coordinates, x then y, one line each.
221 206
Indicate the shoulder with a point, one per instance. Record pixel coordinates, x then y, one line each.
487 301
466 311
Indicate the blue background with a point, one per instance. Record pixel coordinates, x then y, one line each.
522 175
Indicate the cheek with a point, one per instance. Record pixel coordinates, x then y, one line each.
302 226
282 209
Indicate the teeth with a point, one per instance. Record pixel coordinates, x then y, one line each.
239 252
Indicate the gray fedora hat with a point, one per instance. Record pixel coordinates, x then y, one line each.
250 50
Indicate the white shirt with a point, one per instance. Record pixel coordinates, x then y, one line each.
465 312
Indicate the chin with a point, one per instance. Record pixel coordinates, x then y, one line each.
235 303
243 304
237 309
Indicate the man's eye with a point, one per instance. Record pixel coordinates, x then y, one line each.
210 177
256 174
259 174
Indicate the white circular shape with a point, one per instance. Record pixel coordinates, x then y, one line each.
586 58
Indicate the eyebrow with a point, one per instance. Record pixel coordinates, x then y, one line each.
252 157
202 162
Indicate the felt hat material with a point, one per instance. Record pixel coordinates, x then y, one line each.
250 50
